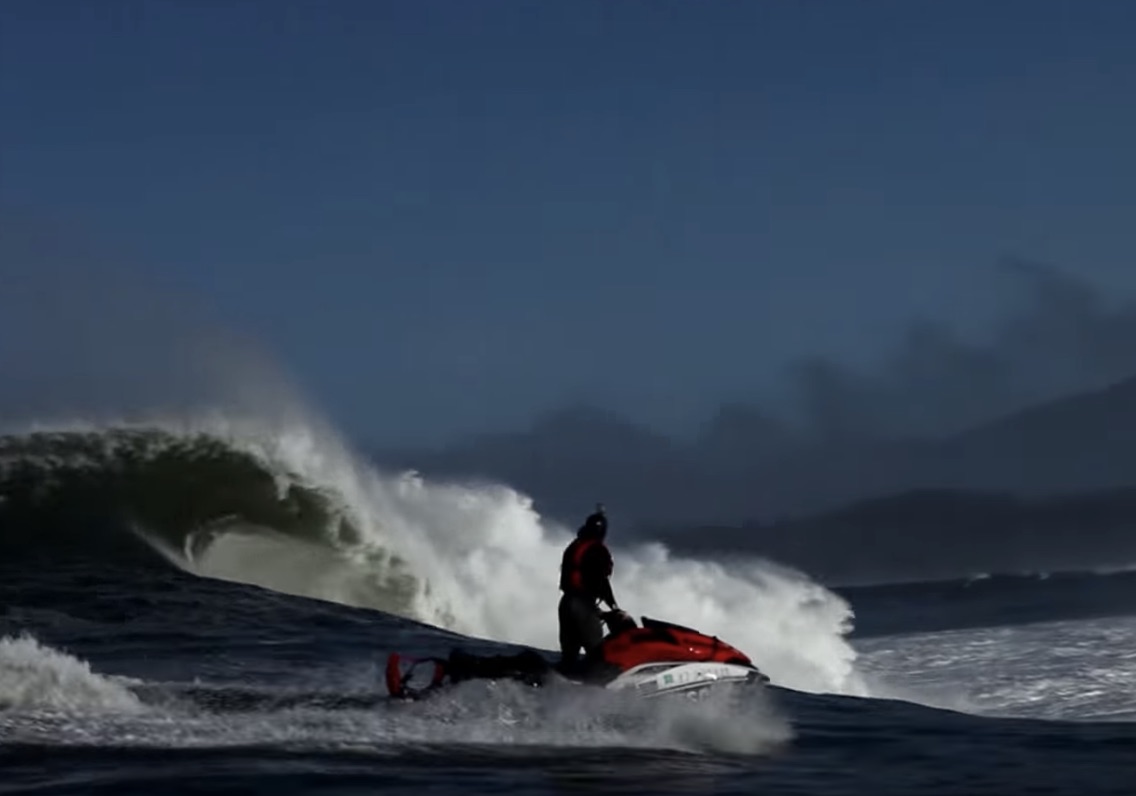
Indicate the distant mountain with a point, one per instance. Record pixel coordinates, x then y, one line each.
745 466
741 465
939 534
1051 487
1087 441
568 461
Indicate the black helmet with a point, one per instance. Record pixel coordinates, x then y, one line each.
596 523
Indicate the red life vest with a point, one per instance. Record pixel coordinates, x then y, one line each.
572 567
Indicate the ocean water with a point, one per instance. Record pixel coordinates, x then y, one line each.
205 604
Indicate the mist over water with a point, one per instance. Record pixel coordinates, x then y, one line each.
87 330
91 337
478 559
472 557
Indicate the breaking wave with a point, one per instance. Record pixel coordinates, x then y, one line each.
35 677
289 507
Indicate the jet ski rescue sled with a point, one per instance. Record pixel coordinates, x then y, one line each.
656 659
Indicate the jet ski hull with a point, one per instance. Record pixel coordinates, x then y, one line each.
663 678
654 660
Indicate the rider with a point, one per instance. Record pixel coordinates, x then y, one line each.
585 573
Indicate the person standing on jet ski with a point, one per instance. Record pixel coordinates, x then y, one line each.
585 579
585 573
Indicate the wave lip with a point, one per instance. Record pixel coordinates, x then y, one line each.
55 483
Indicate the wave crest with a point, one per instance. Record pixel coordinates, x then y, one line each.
35 677
292 509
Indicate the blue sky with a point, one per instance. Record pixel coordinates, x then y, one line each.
447 216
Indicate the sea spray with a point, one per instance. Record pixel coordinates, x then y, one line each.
36 677
473 558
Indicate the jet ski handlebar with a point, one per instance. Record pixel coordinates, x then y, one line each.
618 620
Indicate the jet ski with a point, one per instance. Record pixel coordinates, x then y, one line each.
655 659
664 658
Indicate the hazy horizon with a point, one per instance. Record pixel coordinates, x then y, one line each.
1062 336
439 219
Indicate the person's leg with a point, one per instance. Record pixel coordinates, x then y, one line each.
590 628
580 626
527 666
570 641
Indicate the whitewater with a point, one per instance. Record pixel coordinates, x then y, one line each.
474 558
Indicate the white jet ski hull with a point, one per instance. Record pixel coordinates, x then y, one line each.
659 679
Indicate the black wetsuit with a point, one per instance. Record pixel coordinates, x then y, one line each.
527 666
585 572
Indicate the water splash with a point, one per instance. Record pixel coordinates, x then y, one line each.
477 558
38 678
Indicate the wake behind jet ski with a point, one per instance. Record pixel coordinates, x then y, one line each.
655 659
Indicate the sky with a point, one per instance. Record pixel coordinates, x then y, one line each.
444 217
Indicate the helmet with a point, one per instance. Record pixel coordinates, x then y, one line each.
596 523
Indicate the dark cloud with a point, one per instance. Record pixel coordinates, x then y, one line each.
1058 335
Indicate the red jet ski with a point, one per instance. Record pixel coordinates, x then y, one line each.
654 659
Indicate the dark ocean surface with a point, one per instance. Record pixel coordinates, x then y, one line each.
138 654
